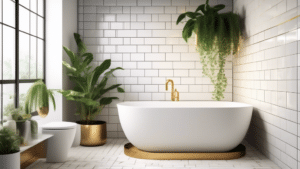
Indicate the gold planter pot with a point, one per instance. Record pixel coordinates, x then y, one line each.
93 134
43 111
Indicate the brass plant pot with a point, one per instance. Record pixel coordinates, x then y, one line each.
93 134
43 111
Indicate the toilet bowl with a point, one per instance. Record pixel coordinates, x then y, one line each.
59 145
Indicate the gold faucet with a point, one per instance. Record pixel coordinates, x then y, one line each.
174 94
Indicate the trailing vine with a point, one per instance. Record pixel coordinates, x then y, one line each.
218 36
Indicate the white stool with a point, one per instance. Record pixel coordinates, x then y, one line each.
63 136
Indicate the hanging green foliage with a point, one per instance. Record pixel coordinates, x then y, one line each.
218 36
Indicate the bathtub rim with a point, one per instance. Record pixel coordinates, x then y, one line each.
170 104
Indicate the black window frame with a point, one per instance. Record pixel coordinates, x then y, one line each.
18 81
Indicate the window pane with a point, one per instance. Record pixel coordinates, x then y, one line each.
33 5
25 3
23 88
0 13
40 27
24 56
33 48
24 19
0 103
9 12
8 96
40 59
33 23
8 53
41 7
0 53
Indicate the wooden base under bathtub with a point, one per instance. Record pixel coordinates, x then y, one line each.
132 151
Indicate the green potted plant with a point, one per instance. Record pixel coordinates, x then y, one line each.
38 97
9 149
217 36
89 92
22 122
24 125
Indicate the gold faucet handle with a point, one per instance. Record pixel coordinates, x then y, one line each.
176 93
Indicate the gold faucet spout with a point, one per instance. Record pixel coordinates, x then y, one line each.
172 90
172 84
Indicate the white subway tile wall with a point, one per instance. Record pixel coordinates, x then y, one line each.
266 75
142 37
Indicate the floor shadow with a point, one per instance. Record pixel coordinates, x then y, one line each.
256 135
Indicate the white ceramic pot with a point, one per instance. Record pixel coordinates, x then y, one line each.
10 123
77 138
10 161
24 129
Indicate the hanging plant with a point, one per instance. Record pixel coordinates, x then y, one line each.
38 96
217 37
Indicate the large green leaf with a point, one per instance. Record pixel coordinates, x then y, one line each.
192 15
120 90
188 24
112 70
180 18
71 94
88 102
107 100
69 67
109 88
89 79
99 70
78 89
188 29
81 46
71 56
80 81
88 59
96 93
218 7
202 8
208 8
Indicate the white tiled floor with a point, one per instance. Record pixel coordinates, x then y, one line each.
111 156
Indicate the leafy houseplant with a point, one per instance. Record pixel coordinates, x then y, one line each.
90 89
38 97
9 141
9 149
218 36
17 114
26 127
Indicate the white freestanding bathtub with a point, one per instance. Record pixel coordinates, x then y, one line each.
201 126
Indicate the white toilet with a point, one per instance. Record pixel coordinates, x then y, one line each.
63 136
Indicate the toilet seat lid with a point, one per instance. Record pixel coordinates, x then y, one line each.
59 126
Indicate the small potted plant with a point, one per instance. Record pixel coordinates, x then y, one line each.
9 149
23 122
26 128
38 97
89 92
